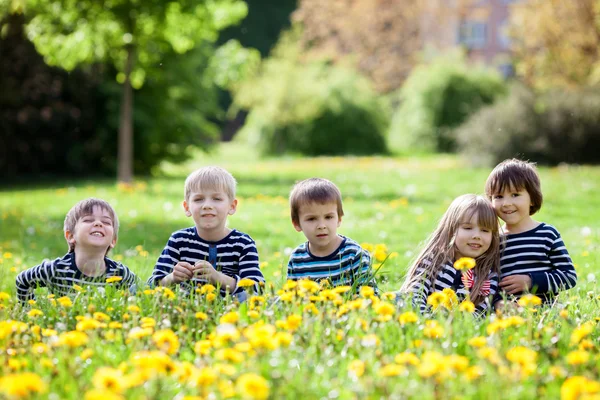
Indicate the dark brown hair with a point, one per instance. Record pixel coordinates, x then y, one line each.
519 175
314 190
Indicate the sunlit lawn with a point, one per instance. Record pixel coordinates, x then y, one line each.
391 202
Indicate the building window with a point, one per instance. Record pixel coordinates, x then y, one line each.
472 34
503 35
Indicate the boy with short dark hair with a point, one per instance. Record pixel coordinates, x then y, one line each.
90 229
209 252
316 211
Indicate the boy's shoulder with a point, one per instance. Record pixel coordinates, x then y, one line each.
236 236
351 245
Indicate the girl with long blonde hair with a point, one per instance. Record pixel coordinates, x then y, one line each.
468 229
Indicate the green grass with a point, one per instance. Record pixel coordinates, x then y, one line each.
395 202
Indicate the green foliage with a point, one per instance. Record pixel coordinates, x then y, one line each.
555 127
174 111
438 97
73 32
311 108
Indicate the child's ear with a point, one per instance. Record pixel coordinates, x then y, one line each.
232 207
69 237
339 221
186 208
297 226
113 243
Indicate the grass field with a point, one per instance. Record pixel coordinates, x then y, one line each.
361 353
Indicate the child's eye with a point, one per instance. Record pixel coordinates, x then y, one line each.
498 196
328 217
217 199
485 230
310 218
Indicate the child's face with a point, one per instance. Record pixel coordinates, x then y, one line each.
471 239
512 206
209 207
93 231
319 223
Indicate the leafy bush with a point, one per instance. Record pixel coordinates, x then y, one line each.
311 108
438 97
555 127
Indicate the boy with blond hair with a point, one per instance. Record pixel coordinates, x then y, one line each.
209 252
316 211
90 229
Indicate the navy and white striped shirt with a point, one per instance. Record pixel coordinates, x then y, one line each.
541 254
235 256
448 278
347 265
61 274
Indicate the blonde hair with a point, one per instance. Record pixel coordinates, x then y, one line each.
84 208
210 177
314 190
440 249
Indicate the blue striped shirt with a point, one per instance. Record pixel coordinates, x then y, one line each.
61 274
235 256
541 254
350 264
448 278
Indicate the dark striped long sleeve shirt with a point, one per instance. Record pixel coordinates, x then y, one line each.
349 265
235 256
449 278
541 254
61 274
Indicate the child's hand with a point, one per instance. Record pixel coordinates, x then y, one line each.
182 271
516 284
204 270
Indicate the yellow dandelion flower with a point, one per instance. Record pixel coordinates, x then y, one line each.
86 354
113 279
201 316
367 291
147 322
246 283
466 306
579 387
392 370
34 312
39 348
473 373
73 339
4 296
433 329
166 340
110 379
384 309
464 263
203 347
581 332
451 298
357 368
578 357
408 317
22 385
406 358
204 377
138 333
477 342
230 318
230 355
65 302
253 386
436 300
529 300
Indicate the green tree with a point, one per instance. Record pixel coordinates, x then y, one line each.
132 35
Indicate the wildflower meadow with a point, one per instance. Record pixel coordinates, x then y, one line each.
296 339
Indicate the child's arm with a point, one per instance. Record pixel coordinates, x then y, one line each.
562 276
169 269
362 271
249 267
420 292
38 276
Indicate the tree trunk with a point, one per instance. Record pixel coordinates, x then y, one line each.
125 151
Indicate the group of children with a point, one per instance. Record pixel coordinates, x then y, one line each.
521 256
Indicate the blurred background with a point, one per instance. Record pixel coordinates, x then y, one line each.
115 88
